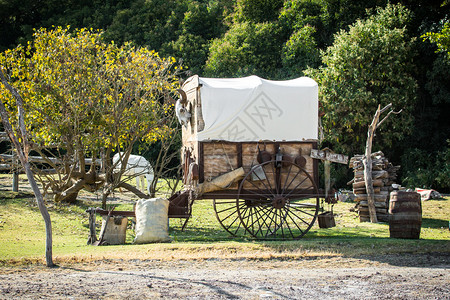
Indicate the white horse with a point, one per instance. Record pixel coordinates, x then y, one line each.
136 166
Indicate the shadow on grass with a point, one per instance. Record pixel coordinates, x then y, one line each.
356 243
434 223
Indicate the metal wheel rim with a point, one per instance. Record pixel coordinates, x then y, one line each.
228 217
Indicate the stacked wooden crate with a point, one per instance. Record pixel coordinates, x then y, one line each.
384 175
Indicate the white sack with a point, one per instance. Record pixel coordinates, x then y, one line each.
152 221
252 109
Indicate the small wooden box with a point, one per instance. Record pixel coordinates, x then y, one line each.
326 220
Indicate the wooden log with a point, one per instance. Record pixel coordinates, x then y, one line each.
360 184
221 182
376 190
364 219
375 174
113 230
377 204
92 232
377 198
377 209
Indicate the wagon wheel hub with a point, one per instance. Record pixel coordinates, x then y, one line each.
279 202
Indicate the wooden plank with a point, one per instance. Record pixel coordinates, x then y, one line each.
377 209
326 155
219 157
219 148
377 197
239 154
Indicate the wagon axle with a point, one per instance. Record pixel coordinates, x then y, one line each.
279 202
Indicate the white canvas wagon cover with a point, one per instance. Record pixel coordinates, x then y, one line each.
253 109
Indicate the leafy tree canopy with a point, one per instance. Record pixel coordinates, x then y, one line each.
86 96
247 48
368 65
441 38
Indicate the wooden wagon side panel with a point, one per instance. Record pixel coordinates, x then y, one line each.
291 149
219 157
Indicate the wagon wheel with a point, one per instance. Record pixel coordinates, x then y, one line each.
277 200
228 217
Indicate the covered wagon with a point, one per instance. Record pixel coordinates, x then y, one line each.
246 145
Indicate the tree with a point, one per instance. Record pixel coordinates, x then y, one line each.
246 49
367 66
201 23
441 38
367 160
85 100
257 11
19 138
300 52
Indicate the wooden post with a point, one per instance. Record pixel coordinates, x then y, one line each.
15 167
92 232
327 165
15 182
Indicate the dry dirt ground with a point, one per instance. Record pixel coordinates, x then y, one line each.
424 276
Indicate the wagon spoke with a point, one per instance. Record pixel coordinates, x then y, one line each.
301 218
300 210
266 212
268 188
295 223
296 187
273 214
228 216
292 180
287 177
227 209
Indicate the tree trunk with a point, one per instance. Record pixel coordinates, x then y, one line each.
22 152
367 162
44 213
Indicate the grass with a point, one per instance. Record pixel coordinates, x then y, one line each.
23 236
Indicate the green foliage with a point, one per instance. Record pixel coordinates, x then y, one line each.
201 22
327 17
149 23
297 14
86 97
257 11
246 49
79 89
441 38
368 65
427 170
283 39
300 52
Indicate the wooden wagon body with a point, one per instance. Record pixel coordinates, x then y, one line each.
247 145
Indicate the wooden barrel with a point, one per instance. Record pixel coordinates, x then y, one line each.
405 215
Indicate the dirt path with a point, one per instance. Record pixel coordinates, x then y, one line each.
426 277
